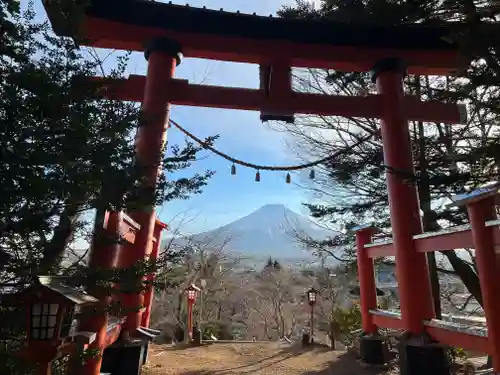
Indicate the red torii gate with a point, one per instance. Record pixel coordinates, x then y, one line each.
109 330
163 31
482 234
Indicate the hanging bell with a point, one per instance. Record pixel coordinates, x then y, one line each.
288 178
257 177
233 169
312 174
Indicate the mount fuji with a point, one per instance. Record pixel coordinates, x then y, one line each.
270 231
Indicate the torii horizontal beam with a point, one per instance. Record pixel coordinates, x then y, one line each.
226 36
181 92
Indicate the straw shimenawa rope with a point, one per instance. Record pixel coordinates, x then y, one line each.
269 167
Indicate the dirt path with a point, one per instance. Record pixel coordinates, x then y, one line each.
258 359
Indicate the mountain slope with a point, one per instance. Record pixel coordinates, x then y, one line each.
269 231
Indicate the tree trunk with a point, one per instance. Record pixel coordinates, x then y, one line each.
178 311
277 321
282 320
428 221
53 251
266 329
219 311
466 274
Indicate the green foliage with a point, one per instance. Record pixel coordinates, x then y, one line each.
345 321
218 329
457 352
11 334
60 365
272 265
384 303
11 364
8 10
65 152
89 354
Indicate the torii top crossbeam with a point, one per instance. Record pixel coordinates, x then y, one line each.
220 35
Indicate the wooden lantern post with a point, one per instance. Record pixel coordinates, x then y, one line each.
191 293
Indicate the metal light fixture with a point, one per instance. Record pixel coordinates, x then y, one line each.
311 296
192 292
191 295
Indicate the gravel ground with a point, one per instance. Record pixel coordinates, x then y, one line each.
255 358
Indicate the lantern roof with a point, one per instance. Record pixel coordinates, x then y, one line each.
54 285
57 285
193 287
161 224
180 18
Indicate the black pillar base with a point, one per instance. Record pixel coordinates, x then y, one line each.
132 360
124 360
306 339
196 336
111 361
145 350
422 358
373 350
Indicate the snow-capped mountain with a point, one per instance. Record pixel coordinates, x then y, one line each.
269 231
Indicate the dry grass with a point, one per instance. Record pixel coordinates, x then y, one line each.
258 359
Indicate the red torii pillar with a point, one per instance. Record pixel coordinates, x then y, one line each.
148 295
411 267
371 346
103 255
366 276
163 56
481 208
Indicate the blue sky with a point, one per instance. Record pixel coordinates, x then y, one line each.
242 135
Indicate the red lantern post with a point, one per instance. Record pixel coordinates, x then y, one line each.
191 292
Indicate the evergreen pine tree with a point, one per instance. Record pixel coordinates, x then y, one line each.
64 153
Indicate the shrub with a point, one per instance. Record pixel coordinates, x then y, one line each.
344 321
